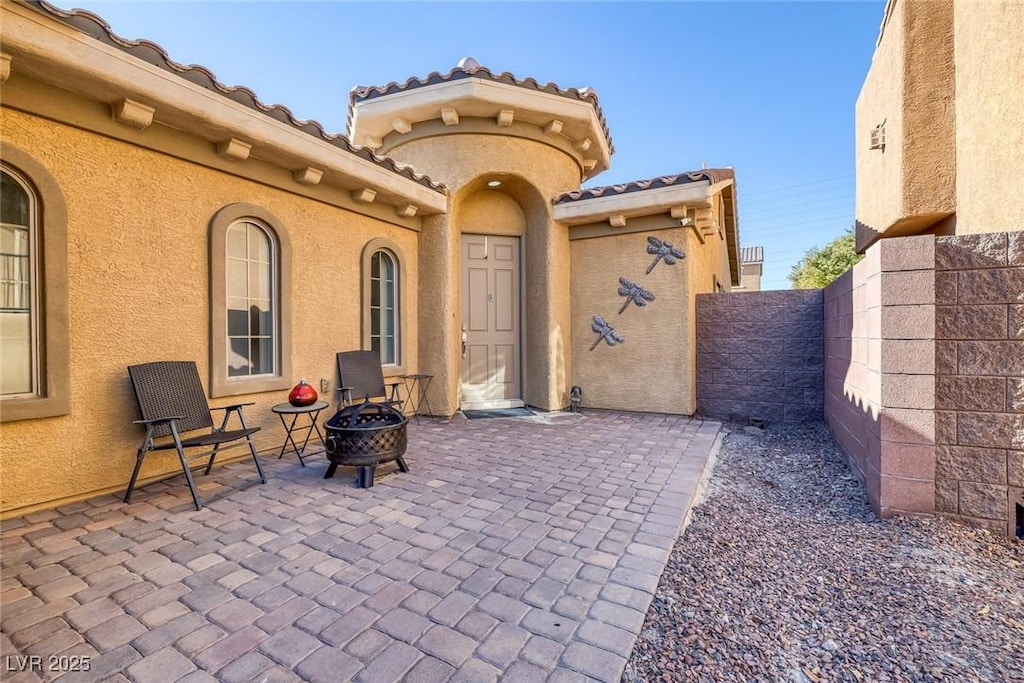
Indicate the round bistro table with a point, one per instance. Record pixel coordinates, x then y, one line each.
290 428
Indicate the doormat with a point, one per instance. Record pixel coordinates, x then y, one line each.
498 412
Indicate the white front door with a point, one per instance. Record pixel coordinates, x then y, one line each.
490 327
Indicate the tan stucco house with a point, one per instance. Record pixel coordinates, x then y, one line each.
153 213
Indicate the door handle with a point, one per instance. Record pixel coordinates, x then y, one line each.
464 338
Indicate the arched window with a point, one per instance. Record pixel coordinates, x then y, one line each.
250 332
383 292
384 306
34 334
252 317
19 306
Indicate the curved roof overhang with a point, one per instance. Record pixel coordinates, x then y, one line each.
576 125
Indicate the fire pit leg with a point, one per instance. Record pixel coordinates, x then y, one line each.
366 473
330 471
401 464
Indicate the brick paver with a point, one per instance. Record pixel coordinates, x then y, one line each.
523 549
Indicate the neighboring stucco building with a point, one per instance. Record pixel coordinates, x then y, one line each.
152 213
751 269
940 121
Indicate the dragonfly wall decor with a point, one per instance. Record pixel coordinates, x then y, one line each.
662 250
634 293
606 331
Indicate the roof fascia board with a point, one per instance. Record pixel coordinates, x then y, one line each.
633 203
32 34
377 114
719 186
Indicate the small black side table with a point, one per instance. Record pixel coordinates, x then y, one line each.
416 393
312 410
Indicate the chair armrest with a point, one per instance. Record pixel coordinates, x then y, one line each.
234 406
158 420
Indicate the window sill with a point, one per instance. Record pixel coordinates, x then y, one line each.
14 409
394 372
239 387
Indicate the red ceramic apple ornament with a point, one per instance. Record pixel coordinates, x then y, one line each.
302 394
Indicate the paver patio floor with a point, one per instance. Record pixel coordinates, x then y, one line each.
519 549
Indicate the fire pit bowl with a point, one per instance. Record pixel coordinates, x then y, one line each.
364 436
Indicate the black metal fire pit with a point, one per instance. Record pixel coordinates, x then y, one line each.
364 436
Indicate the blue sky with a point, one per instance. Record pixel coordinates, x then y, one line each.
766 87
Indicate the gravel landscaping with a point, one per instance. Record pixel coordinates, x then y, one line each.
785 574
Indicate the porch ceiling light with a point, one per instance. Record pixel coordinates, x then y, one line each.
493 183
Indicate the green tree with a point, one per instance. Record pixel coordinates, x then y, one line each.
821 265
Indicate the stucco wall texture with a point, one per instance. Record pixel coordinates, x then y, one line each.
760 355
647 372
879 173
139 276
654 370
532 173
909 184
979 384
989 50
947 80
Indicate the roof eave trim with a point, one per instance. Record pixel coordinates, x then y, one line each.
639 202
30 32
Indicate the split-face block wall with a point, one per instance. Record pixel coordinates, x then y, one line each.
923 373
925 376
979 378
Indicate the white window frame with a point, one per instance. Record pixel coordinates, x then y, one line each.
381 311
272 267
32 230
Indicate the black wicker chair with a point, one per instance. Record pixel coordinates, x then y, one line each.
361 376
172 401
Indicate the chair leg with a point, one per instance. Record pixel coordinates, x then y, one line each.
252 448
139 457
213 454
255 459
184 466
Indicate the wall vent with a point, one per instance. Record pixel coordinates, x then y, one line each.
878 137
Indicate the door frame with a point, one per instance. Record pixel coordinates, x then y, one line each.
520 342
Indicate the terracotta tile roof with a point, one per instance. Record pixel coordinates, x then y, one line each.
95 27
751 254
712 174
473 70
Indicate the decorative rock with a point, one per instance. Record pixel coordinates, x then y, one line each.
785 574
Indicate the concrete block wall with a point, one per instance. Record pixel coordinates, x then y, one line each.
760 355
979 389
880 373
853 379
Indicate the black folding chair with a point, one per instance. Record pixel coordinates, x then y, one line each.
360 375
171 398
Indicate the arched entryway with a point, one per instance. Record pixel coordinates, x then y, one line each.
493 215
